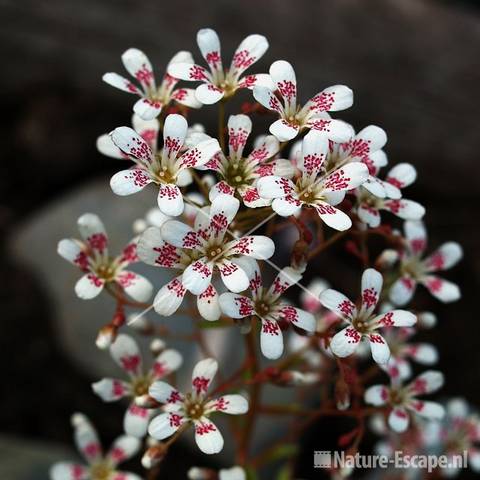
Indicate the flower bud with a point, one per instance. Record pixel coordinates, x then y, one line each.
106 336
342 394
145 401
154 455
157 346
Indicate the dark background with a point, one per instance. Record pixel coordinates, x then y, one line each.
414 68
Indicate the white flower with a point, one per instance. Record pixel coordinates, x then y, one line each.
403 399
166 169
219 82
314 188
293 117
195 408
267 305
240 174
415 269
376 195
200 251
99 466
153 99
233 473
402 351
364 323
126 354
92 257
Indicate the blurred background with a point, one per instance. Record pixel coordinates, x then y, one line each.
414 69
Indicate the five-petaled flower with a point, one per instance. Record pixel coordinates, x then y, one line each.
165 168
219 83
267 305
99 466
195 408
314 188
313 115
126 354
402 399
363 322
240 174
153 99
414 269
92 257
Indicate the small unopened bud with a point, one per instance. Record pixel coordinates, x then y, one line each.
342 394
139 226
140 323
157 346
154 455
106 336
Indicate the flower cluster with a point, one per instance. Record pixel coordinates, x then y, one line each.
240 221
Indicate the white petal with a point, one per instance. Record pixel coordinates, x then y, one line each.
267 98
231 404
208 93
92 230
445 257
233 276
187 97
131 143
396 318
68 471
376 395
283 130
236 306
198 155
402 290
333 217
126 354
313 153
430 410
135 285
286 206
416 235
147 109
255 246
441 289
169 297
405 209
346 178
271 339
202 376
89 286
331 99
163 393
234 473
207 436
345 342
153 250
257 80
127 182
283 75
427 382
398 419
239 129
287 277
402 175
275 187
72 251
170 200
174 134
208 304
337 302
110 389
188 71
179 234
138 65
123 448
86 438
166 362
372 282
220 188
298 317
251 49
209 44
106 147
196 277
423 353
336 130
165 425
368 215
117 81
379 347
368 140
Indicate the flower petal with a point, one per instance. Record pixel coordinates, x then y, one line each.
345 342
430 410
189 72
196 277
174 134
209 45
165 425
73 251
402 175
337 302
287 277
234 473
275 187
187 97
367 141
207 436
164 393
153 250
169 297
202 376
402 290
331 99
337 131
126 354
68 471
179 234
271 339
313 153
128 182
445 257
368 215
86 438
251 49
123 448
89 286
220 188
208 304
372 283
286 206
138 65
398 419
170 200
332 216
283 75
395 318
267 98
165 363
236 306
405 209
298 317
239 129
106 147
208 93
122 83
110 389
376 395
198 155
379 347
257 80
233 276
147 109
131 143
231 404
416 235
346 178
92 230
441 289
135 285
427 382
255 246
283 130
423 353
